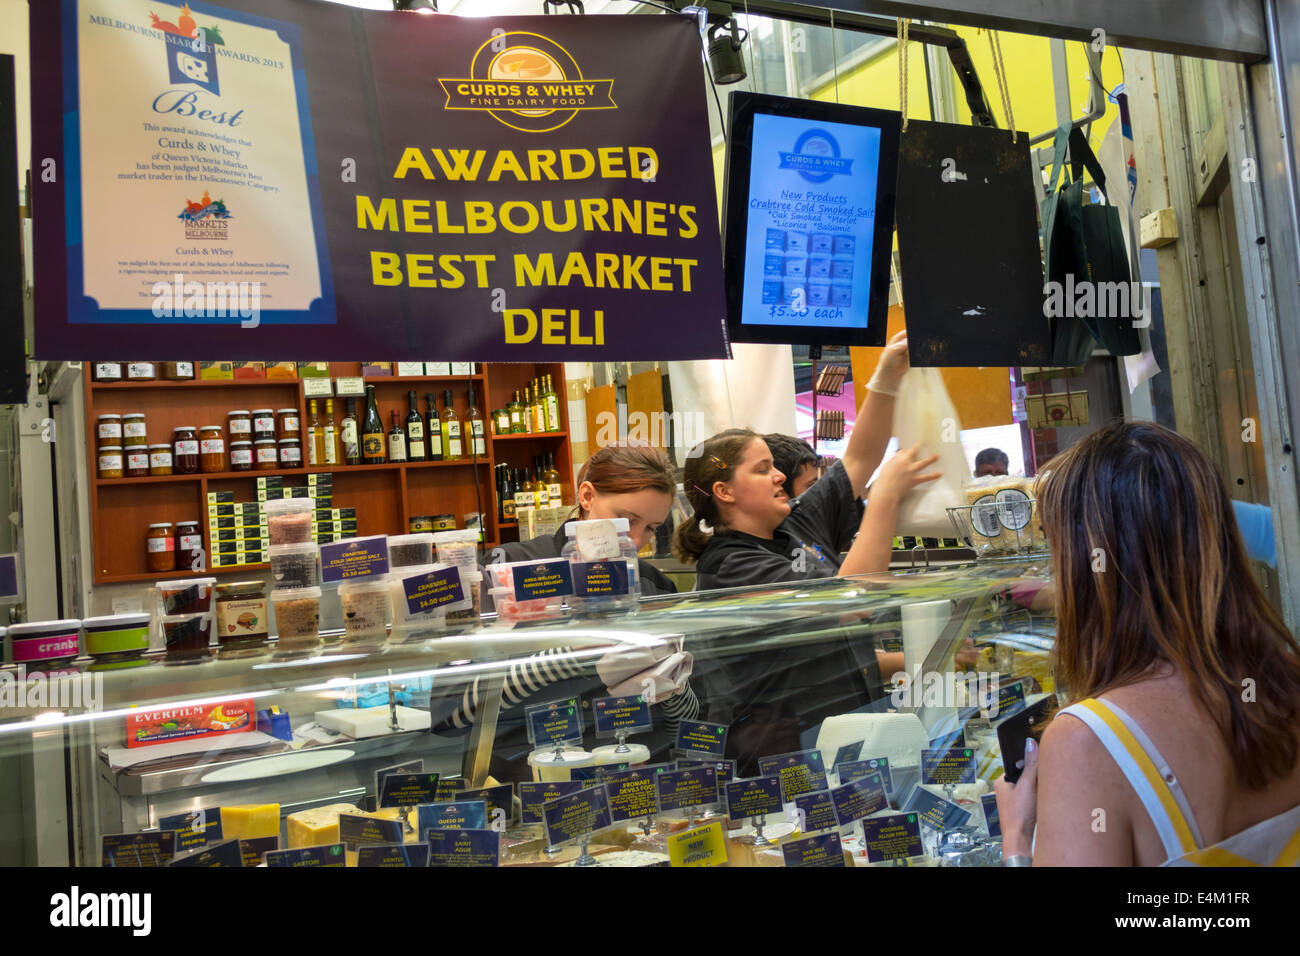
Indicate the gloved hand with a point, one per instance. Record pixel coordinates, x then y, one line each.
891 368
658 671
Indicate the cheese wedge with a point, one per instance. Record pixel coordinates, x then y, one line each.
250 821
317 827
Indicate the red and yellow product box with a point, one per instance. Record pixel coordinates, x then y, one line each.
171 724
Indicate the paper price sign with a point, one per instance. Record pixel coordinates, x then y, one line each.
464 848
681 789
356 830
615 715
554 723
461 815
824 850
599 578
354 558
408 789
861 768
1010 699
817 811
330 855
859 799
755 797
942 767
425 592
936 812
575 816
253 850
195 829
138 849
501 797
893 837
224 854
632 794
992 821
394 855
702 737
700 846
533 796
801 772
542 580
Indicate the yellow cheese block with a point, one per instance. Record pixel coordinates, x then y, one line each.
250 821
317 827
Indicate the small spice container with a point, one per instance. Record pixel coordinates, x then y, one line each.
444 522
409 550
288 422
242 623
108 430
189 546
134 431
290 452
47 642
263 424
161 547
212 449
111 461
297 618
399 605
459 548
189 596
241 456
365 608
288 520
141 371
187 637
185 450
117 640
137 462
419 524
239 425
471 616
264 455
108 372
178 371
295 565
160 459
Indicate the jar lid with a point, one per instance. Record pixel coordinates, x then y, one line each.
265 441
164 445
184 428
448 537
239 587
441 517
115 621
242 441
189 521
183 584
237 411
282 411
421 537
104 448
295 594
257 410
204 428
110 416
285 441
44 627
161 524
375 582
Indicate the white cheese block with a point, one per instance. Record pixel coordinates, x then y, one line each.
900 737
371 721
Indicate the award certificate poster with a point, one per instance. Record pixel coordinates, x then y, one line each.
195 166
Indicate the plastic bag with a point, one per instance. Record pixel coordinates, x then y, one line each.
923 413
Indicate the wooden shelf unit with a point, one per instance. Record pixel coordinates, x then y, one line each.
385 497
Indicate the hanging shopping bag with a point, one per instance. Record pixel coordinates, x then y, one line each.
924 414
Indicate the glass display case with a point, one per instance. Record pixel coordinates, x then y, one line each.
873 702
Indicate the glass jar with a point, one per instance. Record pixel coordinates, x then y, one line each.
178 371
263 424
501 421
160 460
187 638
241 456
212 449
264 456
110 461
108 430
108 372
290 453
185 450
141 371
289 423
137 462
241 617
444 523
189 545
161 546
134 432
239 425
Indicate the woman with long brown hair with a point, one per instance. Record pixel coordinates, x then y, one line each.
1183 746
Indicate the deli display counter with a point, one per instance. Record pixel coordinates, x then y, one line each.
872 701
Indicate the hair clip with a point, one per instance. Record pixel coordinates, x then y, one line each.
718 463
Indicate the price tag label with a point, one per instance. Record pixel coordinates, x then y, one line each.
435 589
351 387
408 789
816 811
356 831
195 829
823 850
500 802
225 853
893 837
692 787
461 815
631 794
253 850
542 580
936 812
594 579
862 768
801 772
533 796
992 821
576 815
754 797
464 848
394 854
700 846
138 849
848 753
859 799
944 767
1010 699
702 737
331 854
406 767
621 714
354 558
553 723
318 387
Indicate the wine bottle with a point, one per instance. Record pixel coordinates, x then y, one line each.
553 489
477 437
508 495
351 433
396 439
372 432
415 446
552 407
524 494
433 427
452 449
329 436
541 493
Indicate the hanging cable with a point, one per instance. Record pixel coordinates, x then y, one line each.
1000 71
835 59
902 68
752 74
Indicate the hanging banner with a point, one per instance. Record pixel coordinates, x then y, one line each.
277 178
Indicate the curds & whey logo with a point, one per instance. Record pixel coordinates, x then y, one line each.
528 82
816 157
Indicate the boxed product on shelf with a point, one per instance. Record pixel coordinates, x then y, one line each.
373 369
437 368
221 497
406 369
313 369
249 369
216 371
281 371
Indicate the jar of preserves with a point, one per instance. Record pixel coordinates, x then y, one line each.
212 449
264 455
108 430
239 425
141 371
160 460
189 545
110 461
161 547
178 371
241 456
290 453
108 372
137 462
263 424
185 450
288 422
241 616
134 432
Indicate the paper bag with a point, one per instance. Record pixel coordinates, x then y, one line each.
924 413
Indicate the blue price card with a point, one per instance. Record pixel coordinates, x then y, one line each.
702 737
992 822
942 767
936 812
595 776
860 768
434 589
354 558
754 797
254 849
408 789
554 723
896 836
225 853
464 848
823 850
461 815
682 789
195 829
816 811
544 579
10 590
1010 700
596 579
532 796
631 794
848 753
859 799
331 854
408 766
726 773
356 831
621 715
500 802
394 855
138 849
449 789
576 815
949 739
801 771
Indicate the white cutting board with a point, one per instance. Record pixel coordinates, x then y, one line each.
371 721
